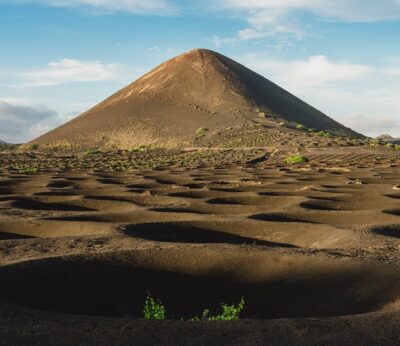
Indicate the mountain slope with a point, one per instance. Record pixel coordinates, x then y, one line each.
199 89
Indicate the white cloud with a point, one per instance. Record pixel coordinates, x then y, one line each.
393 71
16 101
154 7
218 41
267 17
366 105
374 126
20 122
313 72
250 34
71 70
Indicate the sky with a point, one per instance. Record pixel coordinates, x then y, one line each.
58 58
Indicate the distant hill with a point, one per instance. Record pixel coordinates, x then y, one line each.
5 145
388 138
200 89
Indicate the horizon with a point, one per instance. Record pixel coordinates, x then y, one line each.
63 58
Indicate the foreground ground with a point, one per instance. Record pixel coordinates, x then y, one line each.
314 248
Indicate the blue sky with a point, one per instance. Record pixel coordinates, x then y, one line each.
60 57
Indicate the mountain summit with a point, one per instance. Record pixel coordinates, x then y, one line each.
198 89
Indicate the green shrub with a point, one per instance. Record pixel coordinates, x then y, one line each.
153 310
296 159
300 127
229 313
397 147
201 132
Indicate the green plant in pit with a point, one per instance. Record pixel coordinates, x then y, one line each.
153 310
323 134
260 113
94 151
373 143
25 169
32 147
141 148
296 159
355 181
31 170
229 313
156 311
201 132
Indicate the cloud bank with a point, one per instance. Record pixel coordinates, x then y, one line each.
362 97
20 122
269 17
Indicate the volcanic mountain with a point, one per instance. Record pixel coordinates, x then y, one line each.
198 89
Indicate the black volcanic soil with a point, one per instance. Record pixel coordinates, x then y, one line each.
314 248
179 185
